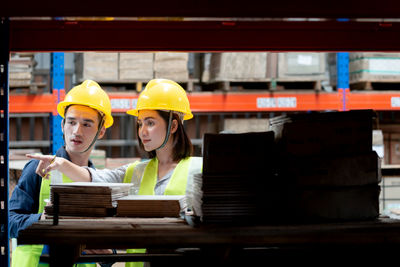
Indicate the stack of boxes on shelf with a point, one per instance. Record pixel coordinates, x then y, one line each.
131 67
266 67
20 70
311 168
368 68
329 165
238 183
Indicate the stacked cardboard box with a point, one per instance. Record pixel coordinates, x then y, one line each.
329 165
311 167
238 183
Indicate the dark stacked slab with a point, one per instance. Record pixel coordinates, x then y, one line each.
238 178
312 167
329 165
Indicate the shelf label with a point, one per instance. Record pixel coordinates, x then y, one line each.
276 102
123 103
395 101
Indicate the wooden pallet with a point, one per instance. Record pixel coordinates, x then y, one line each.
139 85
263 85
376 85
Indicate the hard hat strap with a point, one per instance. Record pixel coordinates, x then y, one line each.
97 135
168 131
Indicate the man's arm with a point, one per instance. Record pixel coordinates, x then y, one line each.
24 202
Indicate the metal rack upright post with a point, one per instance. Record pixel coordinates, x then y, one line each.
4 137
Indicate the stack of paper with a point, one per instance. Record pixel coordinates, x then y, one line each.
149 206
87 199
237 185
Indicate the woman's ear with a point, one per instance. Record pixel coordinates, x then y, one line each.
174 126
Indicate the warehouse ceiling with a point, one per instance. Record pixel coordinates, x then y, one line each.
233 25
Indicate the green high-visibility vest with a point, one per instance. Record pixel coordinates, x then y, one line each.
29 255
147 175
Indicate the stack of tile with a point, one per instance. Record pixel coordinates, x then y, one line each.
238 182
87 199
329 166
21 67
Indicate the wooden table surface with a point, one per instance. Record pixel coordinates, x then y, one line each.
78 234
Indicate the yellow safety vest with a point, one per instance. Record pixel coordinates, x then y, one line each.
29 255
176 185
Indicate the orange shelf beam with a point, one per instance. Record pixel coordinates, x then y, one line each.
374 100
233 102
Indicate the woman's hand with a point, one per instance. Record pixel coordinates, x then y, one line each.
46 164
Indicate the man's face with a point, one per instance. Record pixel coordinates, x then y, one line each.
80 127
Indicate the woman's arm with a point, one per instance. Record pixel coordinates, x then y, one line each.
71 170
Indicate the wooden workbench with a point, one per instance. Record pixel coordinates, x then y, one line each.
225 245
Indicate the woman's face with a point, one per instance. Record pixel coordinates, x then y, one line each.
151 130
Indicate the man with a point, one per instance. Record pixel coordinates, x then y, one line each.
86 112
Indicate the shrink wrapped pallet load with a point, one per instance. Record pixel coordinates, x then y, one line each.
301 66
238 67
374 67
172 66
136 66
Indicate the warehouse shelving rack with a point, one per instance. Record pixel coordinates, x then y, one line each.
223 34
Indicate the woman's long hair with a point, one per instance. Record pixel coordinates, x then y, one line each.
182 146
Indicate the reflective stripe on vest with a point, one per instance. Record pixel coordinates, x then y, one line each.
177 183
29 255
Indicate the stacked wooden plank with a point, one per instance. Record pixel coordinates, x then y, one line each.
86 199
20 70
149 206
237 184
328 164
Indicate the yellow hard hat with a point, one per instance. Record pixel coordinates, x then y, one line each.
90 94
163 94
